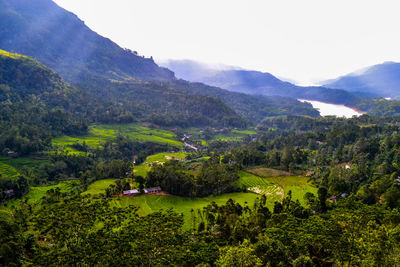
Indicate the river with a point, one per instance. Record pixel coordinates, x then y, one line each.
327 109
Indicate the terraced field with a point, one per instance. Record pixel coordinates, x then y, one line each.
18 163
260 185
99 134
8 171
151 203
36 193
144 134
160 158
268 172
232 135
9 166
99 187
299 185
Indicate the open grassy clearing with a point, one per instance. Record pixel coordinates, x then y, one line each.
151 203
99 187
160 158
36 193
99 134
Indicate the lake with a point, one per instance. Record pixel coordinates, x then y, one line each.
327 109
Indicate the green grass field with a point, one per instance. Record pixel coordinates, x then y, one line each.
99 187
36 193
144 168
151 203
99 134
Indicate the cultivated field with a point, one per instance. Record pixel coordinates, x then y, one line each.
260 185
8 171
299 185
160 158
99 187
99 134
151 203
36 193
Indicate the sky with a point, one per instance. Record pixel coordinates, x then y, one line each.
302 40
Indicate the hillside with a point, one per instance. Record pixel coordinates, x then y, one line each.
380 80
255 82
24 80
36 104
59 39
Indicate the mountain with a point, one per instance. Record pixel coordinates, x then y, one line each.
27 82
60 40
255 82
380 80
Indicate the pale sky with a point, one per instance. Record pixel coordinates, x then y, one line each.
303 40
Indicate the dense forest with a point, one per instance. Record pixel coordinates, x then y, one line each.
353 219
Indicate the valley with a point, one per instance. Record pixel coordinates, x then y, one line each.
111 158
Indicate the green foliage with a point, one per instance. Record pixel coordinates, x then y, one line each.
241 256
11 242
174 179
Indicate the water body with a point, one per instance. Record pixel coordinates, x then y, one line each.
327 109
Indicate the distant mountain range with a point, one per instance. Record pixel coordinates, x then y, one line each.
378 80
255 82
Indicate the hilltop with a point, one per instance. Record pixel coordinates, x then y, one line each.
59 39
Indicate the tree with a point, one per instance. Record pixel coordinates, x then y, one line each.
240 256
140 181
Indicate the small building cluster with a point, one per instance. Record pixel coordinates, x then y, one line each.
9 193
134 192
152 190
130 193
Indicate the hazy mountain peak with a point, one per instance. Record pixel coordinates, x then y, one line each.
381 80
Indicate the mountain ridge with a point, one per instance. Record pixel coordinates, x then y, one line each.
257 83
380 80
58 38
